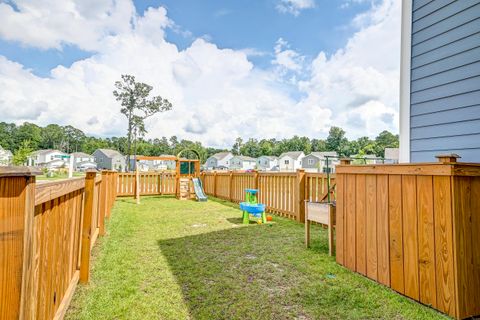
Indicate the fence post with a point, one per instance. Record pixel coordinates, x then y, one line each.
230 181
255 179
17 245
215 184
88 206
137 185
447 158
345 161
300 195
104 186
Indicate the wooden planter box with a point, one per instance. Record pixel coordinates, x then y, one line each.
414 228
323 213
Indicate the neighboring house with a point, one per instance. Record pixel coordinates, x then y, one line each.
267 163
317 161
6 157
290 161
391 155
440 80
50 159
366 159
219 160
83 161
109 159
153 165
242 163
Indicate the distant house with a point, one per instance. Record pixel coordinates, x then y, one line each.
153 165
6 157
50 159
317 161
219 160
290 161
391 155
440 80
109 159
366 159
83 161
243 163
267 163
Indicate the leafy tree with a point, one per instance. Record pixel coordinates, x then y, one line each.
385 140
74 138
28 132
22 153
137 105
53 137
319 145
336 141
237 146
7 135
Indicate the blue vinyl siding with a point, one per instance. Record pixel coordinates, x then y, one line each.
445 79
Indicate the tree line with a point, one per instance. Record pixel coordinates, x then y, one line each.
29 137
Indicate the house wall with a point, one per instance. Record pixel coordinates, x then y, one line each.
264 163
225 161
311 163
103 162
444 114
211 163
291 166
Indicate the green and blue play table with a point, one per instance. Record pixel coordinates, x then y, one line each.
252 207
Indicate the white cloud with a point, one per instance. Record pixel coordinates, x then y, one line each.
286 58
359 83
49 23
294 6
217 93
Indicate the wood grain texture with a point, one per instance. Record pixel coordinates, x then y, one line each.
445 273
371 226
360 225
12 221
396 233
350 219
383 225
426 240
410 236
340 225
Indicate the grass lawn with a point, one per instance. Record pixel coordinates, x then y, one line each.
171 259
59 176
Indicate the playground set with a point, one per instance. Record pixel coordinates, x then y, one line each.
188 184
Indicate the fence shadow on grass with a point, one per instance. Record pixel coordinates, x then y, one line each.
249 272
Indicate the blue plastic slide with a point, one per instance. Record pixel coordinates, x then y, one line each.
197 185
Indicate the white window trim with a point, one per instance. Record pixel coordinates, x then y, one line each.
405 72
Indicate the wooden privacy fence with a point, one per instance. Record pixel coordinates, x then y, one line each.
414 228
151 183
47 230
283 193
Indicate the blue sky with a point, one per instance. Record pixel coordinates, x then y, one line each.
245 24
254 69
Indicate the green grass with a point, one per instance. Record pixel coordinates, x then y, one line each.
171 259
59 176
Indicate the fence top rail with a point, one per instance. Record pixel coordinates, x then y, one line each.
288 174
147 173
14 171
319 174
46 191
433 168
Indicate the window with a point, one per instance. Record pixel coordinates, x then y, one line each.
287 161
310 161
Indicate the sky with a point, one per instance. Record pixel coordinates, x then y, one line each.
231 68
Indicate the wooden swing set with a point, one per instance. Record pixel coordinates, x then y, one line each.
185 169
